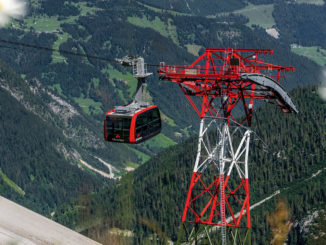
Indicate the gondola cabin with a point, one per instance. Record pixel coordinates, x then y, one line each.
126 124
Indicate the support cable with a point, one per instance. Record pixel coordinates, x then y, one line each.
26 45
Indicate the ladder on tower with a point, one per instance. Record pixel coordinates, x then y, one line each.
222 207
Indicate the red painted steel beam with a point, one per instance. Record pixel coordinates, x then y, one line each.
217 72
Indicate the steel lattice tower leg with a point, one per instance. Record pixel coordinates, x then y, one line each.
219 190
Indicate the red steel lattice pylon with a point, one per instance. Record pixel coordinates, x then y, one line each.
220 85
219 188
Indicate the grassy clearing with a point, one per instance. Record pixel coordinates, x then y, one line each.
11 183
50 24
53 25
46 23
120 93
43 23
193 49
316 2
159 141
144 157
260 15
131 165
166 30
129 80
127 77
84 9
155 24
95 81
314 53
57 87
88 105
85 59
167 119
172 30
158 10
62 38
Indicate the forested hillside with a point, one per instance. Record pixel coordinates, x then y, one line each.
53 104
303 24
155 193
202 8
114 29
38 166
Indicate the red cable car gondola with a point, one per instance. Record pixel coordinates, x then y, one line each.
138 121
132 127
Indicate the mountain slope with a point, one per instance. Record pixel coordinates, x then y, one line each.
31 157
156 191
202 8
127 27
59 113
62 100
47 144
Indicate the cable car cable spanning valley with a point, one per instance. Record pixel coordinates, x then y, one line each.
26 45
21 44
62 51
133 123
124 63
